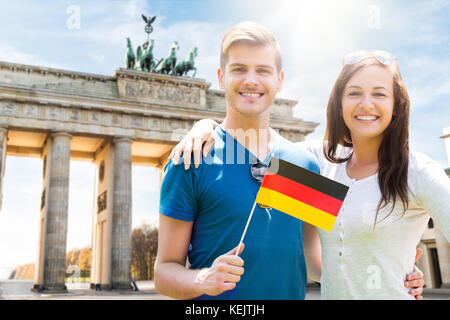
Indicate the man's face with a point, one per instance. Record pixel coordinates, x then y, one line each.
250 79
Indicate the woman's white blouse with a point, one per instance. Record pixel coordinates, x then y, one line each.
360 262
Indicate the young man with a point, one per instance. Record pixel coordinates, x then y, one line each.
204 210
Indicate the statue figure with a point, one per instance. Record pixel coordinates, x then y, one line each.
130 58
183 67
169 63
139 58
145 61
146 58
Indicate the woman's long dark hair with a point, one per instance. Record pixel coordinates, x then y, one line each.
393 153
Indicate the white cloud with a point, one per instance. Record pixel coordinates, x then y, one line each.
99 58
19 238
426 95
11 54
134 8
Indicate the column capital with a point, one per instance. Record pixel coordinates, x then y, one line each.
122 139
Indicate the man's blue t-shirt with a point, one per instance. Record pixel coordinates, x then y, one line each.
218 196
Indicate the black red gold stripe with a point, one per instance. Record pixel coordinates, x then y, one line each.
301 193
308 178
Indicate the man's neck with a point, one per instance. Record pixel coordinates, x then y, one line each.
252 132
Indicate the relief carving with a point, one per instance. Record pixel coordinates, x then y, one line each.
147 90
9 109
136 122
131 89
43 199
101 171
30 111
116 119
45 167
154 124
192 95
173 124
95 116
53 113
74 115
101 202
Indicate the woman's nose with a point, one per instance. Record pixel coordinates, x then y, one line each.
366 101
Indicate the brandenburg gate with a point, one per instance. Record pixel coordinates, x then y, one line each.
130 118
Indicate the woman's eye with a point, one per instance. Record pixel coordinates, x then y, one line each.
379 94
353 94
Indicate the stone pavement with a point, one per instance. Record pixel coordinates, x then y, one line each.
20 290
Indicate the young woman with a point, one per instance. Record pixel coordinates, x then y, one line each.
392 190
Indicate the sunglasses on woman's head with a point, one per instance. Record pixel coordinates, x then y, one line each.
383 57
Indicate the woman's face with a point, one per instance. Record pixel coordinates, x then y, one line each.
368 103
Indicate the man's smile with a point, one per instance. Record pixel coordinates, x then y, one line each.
251 94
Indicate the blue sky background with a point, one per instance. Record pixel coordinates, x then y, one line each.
314 36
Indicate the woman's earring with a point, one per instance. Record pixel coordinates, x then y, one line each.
348 139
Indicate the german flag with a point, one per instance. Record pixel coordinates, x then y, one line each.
301 193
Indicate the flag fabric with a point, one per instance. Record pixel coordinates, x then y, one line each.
301 193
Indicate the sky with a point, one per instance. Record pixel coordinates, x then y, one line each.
89 36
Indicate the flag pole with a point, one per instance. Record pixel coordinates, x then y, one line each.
245 229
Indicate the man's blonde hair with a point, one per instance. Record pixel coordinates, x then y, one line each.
250 33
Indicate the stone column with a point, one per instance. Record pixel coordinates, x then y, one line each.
121 224
51 262
163 160
102 217
3 139
425 264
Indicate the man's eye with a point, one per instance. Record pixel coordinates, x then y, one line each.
238 70
264 71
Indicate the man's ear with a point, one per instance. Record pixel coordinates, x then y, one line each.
280 80
220 77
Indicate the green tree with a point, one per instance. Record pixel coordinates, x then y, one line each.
144 245
84 259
